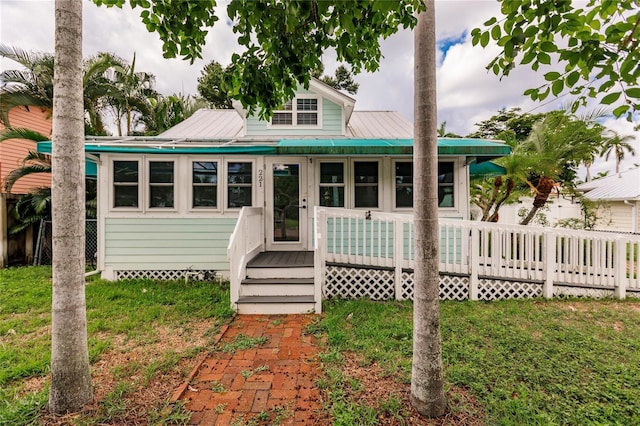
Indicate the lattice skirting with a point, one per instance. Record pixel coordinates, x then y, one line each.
498 290
451 287
191 275
356 283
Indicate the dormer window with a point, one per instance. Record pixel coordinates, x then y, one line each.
301 111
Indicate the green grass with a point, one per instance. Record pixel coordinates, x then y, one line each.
132 310
526 362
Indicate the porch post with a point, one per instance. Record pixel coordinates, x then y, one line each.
620 269
474 262
549 264
319 255
398 256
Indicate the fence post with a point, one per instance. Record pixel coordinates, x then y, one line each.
398 256
620 268
474 262
319 255
549 264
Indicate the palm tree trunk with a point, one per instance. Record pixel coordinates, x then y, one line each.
544 188
497 183
427 390
510 185
70 376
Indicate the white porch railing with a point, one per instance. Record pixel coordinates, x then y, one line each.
482 260
246 241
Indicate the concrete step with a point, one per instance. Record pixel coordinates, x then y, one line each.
277 287
271 305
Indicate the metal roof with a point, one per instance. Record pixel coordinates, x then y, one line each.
619 187
207 123
227 123
379 124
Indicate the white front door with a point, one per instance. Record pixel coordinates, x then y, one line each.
286 197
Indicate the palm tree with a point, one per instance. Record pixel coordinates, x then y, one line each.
167 111
71 385
427 383
31 86
558 143
131 94
617 145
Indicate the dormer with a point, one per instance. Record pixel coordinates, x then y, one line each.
319 111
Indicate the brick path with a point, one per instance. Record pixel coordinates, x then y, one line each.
273 383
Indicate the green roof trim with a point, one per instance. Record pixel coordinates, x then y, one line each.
446 146
484 150
91 148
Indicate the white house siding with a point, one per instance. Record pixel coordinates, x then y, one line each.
167 244
331 124
616 216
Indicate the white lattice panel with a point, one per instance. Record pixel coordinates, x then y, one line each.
170 275
451 287
596 293
407 286
454 287
498 290
355 283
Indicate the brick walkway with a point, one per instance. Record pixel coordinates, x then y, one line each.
271 383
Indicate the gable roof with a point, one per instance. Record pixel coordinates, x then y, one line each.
619 187
228 124
319 88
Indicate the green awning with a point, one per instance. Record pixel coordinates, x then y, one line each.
483 150
446 146
486 169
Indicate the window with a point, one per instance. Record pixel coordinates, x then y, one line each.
404 184
126 182
366 183
332 184
299 112
160 184
205 184
240 178
445 184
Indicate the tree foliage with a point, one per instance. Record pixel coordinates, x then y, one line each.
341 80
597 47
283 41
211 86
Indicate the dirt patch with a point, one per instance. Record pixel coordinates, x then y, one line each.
135 378
378 387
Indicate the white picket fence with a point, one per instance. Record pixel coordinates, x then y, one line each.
370 254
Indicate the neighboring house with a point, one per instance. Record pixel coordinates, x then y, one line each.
621 194
168 205
13 151
19 248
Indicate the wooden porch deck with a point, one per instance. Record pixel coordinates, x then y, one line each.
280 259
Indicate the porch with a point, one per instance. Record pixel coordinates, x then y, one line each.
370 254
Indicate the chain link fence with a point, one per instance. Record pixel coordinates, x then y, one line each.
44 245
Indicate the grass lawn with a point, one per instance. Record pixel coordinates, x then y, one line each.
143 336
530 362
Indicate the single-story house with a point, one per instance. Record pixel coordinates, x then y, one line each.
168 205
620 195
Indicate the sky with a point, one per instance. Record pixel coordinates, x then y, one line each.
467 93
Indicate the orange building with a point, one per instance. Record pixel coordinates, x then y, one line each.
18 248
13 151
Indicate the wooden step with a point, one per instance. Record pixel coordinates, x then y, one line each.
277 287
271 305
289 272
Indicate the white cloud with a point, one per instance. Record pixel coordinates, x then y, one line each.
467 93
